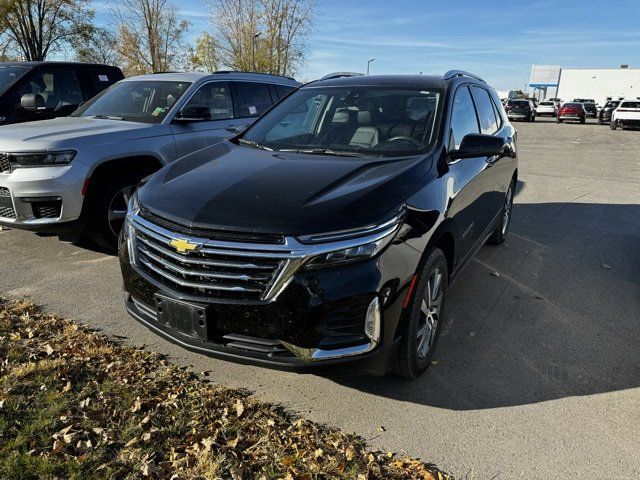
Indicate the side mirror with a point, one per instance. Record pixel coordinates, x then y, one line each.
193 113
33 102
478 145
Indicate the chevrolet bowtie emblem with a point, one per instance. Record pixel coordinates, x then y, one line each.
183 246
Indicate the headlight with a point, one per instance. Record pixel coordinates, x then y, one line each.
134 206
355 249
43 159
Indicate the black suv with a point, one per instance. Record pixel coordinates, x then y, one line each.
604 116
521 110
328 232
43 90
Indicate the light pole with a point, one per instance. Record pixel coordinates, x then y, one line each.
253 50
368 64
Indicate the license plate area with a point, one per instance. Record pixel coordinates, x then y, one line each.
189 319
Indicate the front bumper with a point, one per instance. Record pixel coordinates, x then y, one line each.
42 198
317 323
628 122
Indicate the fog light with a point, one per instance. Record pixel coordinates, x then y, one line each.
372 322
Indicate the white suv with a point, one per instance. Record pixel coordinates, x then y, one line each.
74 174
627 114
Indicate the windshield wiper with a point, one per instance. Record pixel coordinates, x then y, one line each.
109 117
253 144
327 151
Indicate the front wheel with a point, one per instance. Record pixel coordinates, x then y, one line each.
613 125
499 235
582 120
108 208
558 120
426 315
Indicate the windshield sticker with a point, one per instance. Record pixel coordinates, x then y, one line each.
103 78
253 110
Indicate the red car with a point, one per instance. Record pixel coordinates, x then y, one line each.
572 111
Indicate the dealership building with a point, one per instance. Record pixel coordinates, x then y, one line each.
552 81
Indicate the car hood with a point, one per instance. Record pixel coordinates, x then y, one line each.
242 189
67 132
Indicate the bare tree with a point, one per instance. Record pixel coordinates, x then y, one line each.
97 46
150 35
262 35
36 28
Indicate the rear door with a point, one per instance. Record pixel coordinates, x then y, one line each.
251 99
217 97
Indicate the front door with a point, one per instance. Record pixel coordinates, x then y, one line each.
190 137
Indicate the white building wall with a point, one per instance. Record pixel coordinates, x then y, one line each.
599 83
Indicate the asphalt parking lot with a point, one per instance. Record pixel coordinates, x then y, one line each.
538 369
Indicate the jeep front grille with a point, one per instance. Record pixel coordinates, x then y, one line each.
5 163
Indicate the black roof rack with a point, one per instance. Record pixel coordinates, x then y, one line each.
255 73
333 75
460 73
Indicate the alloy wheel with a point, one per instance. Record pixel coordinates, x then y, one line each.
118 209
430 313
506 215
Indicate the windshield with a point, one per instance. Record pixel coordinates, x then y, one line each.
145 101
376 121
8 75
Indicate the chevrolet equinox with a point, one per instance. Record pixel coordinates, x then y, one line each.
326 236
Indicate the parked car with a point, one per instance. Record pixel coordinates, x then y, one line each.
589 105
604 115
626 115
521 110
546 108
327 234
572 111
42 90
76 174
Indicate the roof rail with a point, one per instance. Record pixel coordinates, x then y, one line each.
340 75
254 73
460 73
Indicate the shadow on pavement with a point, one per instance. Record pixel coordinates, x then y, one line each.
562 318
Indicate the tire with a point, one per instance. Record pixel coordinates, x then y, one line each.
107 209
426 317
582 120
613 125
533 118
599 121
501 231
558 120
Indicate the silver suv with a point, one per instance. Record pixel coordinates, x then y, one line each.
74 174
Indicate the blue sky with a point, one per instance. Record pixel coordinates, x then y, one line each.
498 40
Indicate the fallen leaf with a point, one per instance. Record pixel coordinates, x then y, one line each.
239 408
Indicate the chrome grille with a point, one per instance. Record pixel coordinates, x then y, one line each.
215 270
5 163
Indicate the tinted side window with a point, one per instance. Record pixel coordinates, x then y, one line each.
252 99
283 90
486 113
217 98
463 117
59 88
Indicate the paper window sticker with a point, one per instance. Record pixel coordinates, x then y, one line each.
253 110
103 78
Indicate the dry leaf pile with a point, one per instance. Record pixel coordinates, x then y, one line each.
76 404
